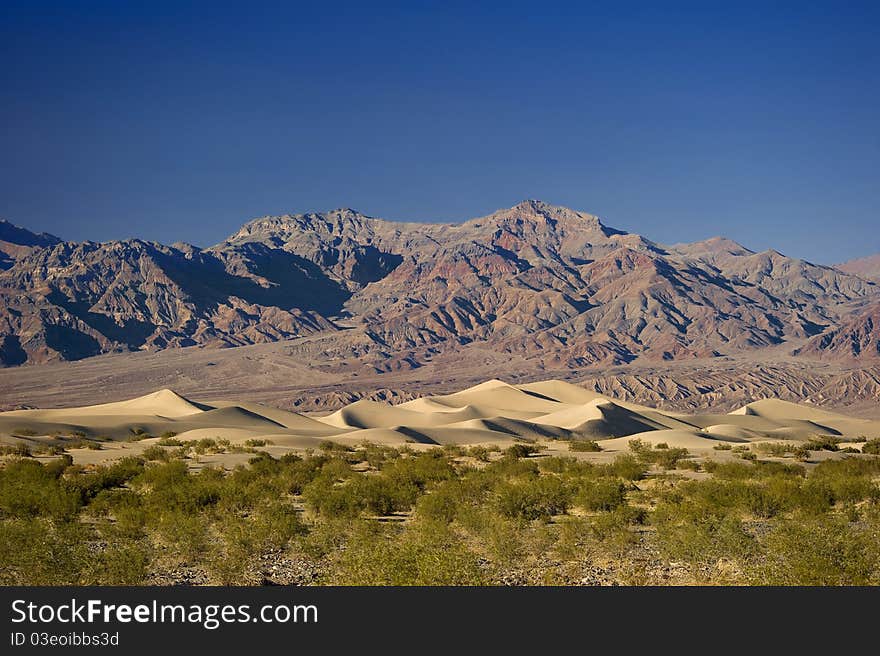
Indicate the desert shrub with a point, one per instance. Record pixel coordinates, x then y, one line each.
28 489
376 455
669 458
299 473
823 443
723 446
138 434
815 497
761 469
169 486
257 442
418 471
155 453
441 505
615 528
20 449
381 495
850 480
776 449
330 447
209 445
425 554
329 498
540 497
122 563
601 494
639 446
872 447
169 440
276 524
509 466
584 445
480 453
46 449
38 551
448 500
90 484
660 455
521 450
688 532
83 444
824 551
626 466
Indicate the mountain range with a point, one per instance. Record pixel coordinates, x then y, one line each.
537 282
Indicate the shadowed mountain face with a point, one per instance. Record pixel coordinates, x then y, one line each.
535 281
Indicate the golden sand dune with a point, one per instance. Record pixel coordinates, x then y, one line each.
494 412
164 403
692 440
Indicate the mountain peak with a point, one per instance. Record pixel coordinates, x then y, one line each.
13 234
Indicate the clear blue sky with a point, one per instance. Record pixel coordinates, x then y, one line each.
179 121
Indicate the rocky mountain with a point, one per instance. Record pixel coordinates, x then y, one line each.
866 267
536 281
17 242
856 338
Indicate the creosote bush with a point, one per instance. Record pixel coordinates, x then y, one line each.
381 515
584 446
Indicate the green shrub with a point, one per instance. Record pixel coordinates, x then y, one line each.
825 551
625 466
425 554
601 494
686 531
584 445
481 453
20 449
38 551
872 447
776 449
28 489
521 450
169 440
328 446
532 499
823 443
155 453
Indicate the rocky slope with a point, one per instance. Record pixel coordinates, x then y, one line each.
16 243
856 338
535 281
866 267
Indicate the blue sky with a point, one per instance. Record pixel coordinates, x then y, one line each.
680 121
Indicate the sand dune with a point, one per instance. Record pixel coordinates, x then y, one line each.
164 403
672 438
493 412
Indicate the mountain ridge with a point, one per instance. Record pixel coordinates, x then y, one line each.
543 281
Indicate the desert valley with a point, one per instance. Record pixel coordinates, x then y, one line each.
524 398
